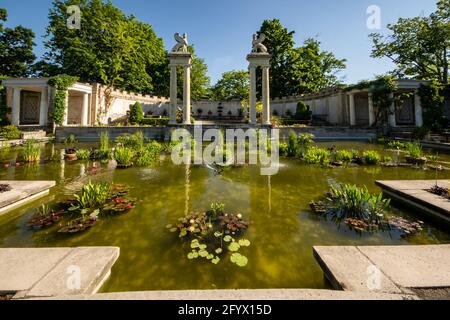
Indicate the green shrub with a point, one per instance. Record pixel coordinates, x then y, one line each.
136 114
10 132
155 122
124 157
31 151
349 201
134 141
371 157
344 155
303 111
83 154
316 155
414 149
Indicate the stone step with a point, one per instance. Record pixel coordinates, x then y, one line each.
400 268
49 272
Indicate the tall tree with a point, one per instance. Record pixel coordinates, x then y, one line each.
110 48
419 46
232 85
16 49
299 70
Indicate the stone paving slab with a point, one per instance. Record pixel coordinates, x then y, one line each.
241 294
22 191
46 272
413 266
94 264
414 194
348 269
403 266
21 268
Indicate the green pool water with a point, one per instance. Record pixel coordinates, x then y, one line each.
282 232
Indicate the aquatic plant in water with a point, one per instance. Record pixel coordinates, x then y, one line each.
371 157
31 151
94 200
83 154
212 234
316 155
124 157
349 201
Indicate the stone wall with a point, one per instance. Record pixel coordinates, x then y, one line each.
164 133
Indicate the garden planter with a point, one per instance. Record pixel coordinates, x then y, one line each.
421 160
70 154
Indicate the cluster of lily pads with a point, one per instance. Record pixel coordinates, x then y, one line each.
213 234
85 208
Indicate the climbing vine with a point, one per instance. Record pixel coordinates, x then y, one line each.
432 100
61 83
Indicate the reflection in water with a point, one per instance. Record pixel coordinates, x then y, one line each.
282 229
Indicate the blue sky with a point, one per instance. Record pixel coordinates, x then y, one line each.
221 30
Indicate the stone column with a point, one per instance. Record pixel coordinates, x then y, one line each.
418 110
371 111
15 116
266 96
173 94
187 95
391 116
252 102
43 108
66 109
352 111
85 110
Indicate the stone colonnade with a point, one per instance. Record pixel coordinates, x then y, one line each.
418 117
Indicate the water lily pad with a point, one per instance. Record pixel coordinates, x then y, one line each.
239 259
216 260
202 246
217 234
183 232
219 250
227 238
210 256
203 253
234 246
244 243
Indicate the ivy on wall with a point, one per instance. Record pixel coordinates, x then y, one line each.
61 83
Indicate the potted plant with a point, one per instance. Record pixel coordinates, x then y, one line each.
70 154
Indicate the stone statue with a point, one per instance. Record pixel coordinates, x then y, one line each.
182 43
258 47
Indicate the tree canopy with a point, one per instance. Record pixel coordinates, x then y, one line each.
232 85
113 49
298 70
419 46
16 49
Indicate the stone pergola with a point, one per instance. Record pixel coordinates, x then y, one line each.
31 100
259 58
179 56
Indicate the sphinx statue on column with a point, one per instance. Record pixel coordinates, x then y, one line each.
257 46
182 43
